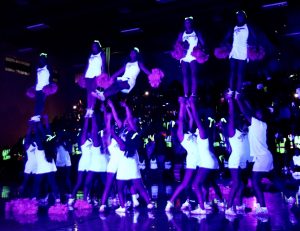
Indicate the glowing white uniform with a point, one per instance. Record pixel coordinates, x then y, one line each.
240 45
207 158
115 156
192 39
240 153
98 162
132 70
43 166
189 143
95 66
85 158
31 164
262 157
43 76
62 157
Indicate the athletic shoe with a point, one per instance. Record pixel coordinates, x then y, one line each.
135 202
169 206
168 165
198 211
153 164
229 92
71 201
120 210
230 212
207 206
291 200
220 204
261 211
36 118
102 208
150 205
169 216
186 205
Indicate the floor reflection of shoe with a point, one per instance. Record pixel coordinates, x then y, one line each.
186 212
262 218
291 200
71 201
230 217
102 216
70 208
169 216
135 217
292 218
207 206
198 211
151 215
169 206
199 217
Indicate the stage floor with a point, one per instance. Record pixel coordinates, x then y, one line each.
281 217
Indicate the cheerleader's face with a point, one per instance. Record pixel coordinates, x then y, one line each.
95 48
133 55
188 24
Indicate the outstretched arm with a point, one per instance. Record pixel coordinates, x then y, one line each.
198 121
118 73
182 110
129 116
114 113
245 107
231 125
191 119
94 133
144 69
84 132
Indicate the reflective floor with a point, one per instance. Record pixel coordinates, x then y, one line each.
281 217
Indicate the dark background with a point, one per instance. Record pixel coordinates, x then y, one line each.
71 26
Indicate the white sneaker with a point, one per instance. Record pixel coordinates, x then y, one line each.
207 206
169 215
220 204
291 200
71 201
169 206
142 165
168 165
198 211
102 208
36 118
135 202
240 209
261 211
186 205
150 205
230 92
230 212
120 210
153 164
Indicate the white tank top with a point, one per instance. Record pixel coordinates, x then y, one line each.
132 70
95 66
239 144
43 76
192 39
240 45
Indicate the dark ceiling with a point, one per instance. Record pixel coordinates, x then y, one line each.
71 25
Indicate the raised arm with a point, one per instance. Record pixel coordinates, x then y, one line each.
84 131
119 72
230 125
199 123
191 119
182 110
115 114
94 133
130 119
244 107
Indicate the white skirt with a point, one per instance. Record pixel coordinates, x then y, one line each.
30 167
98 162
43 166
263 163
128 168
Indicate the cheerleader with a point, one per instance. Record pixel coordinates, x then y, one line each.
189 141
63 164
31 165
96 66
46 168
262 157
208 161
98 160
128 169
42 80
85 160
113 149
237 132
127 81
190 39
242 35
